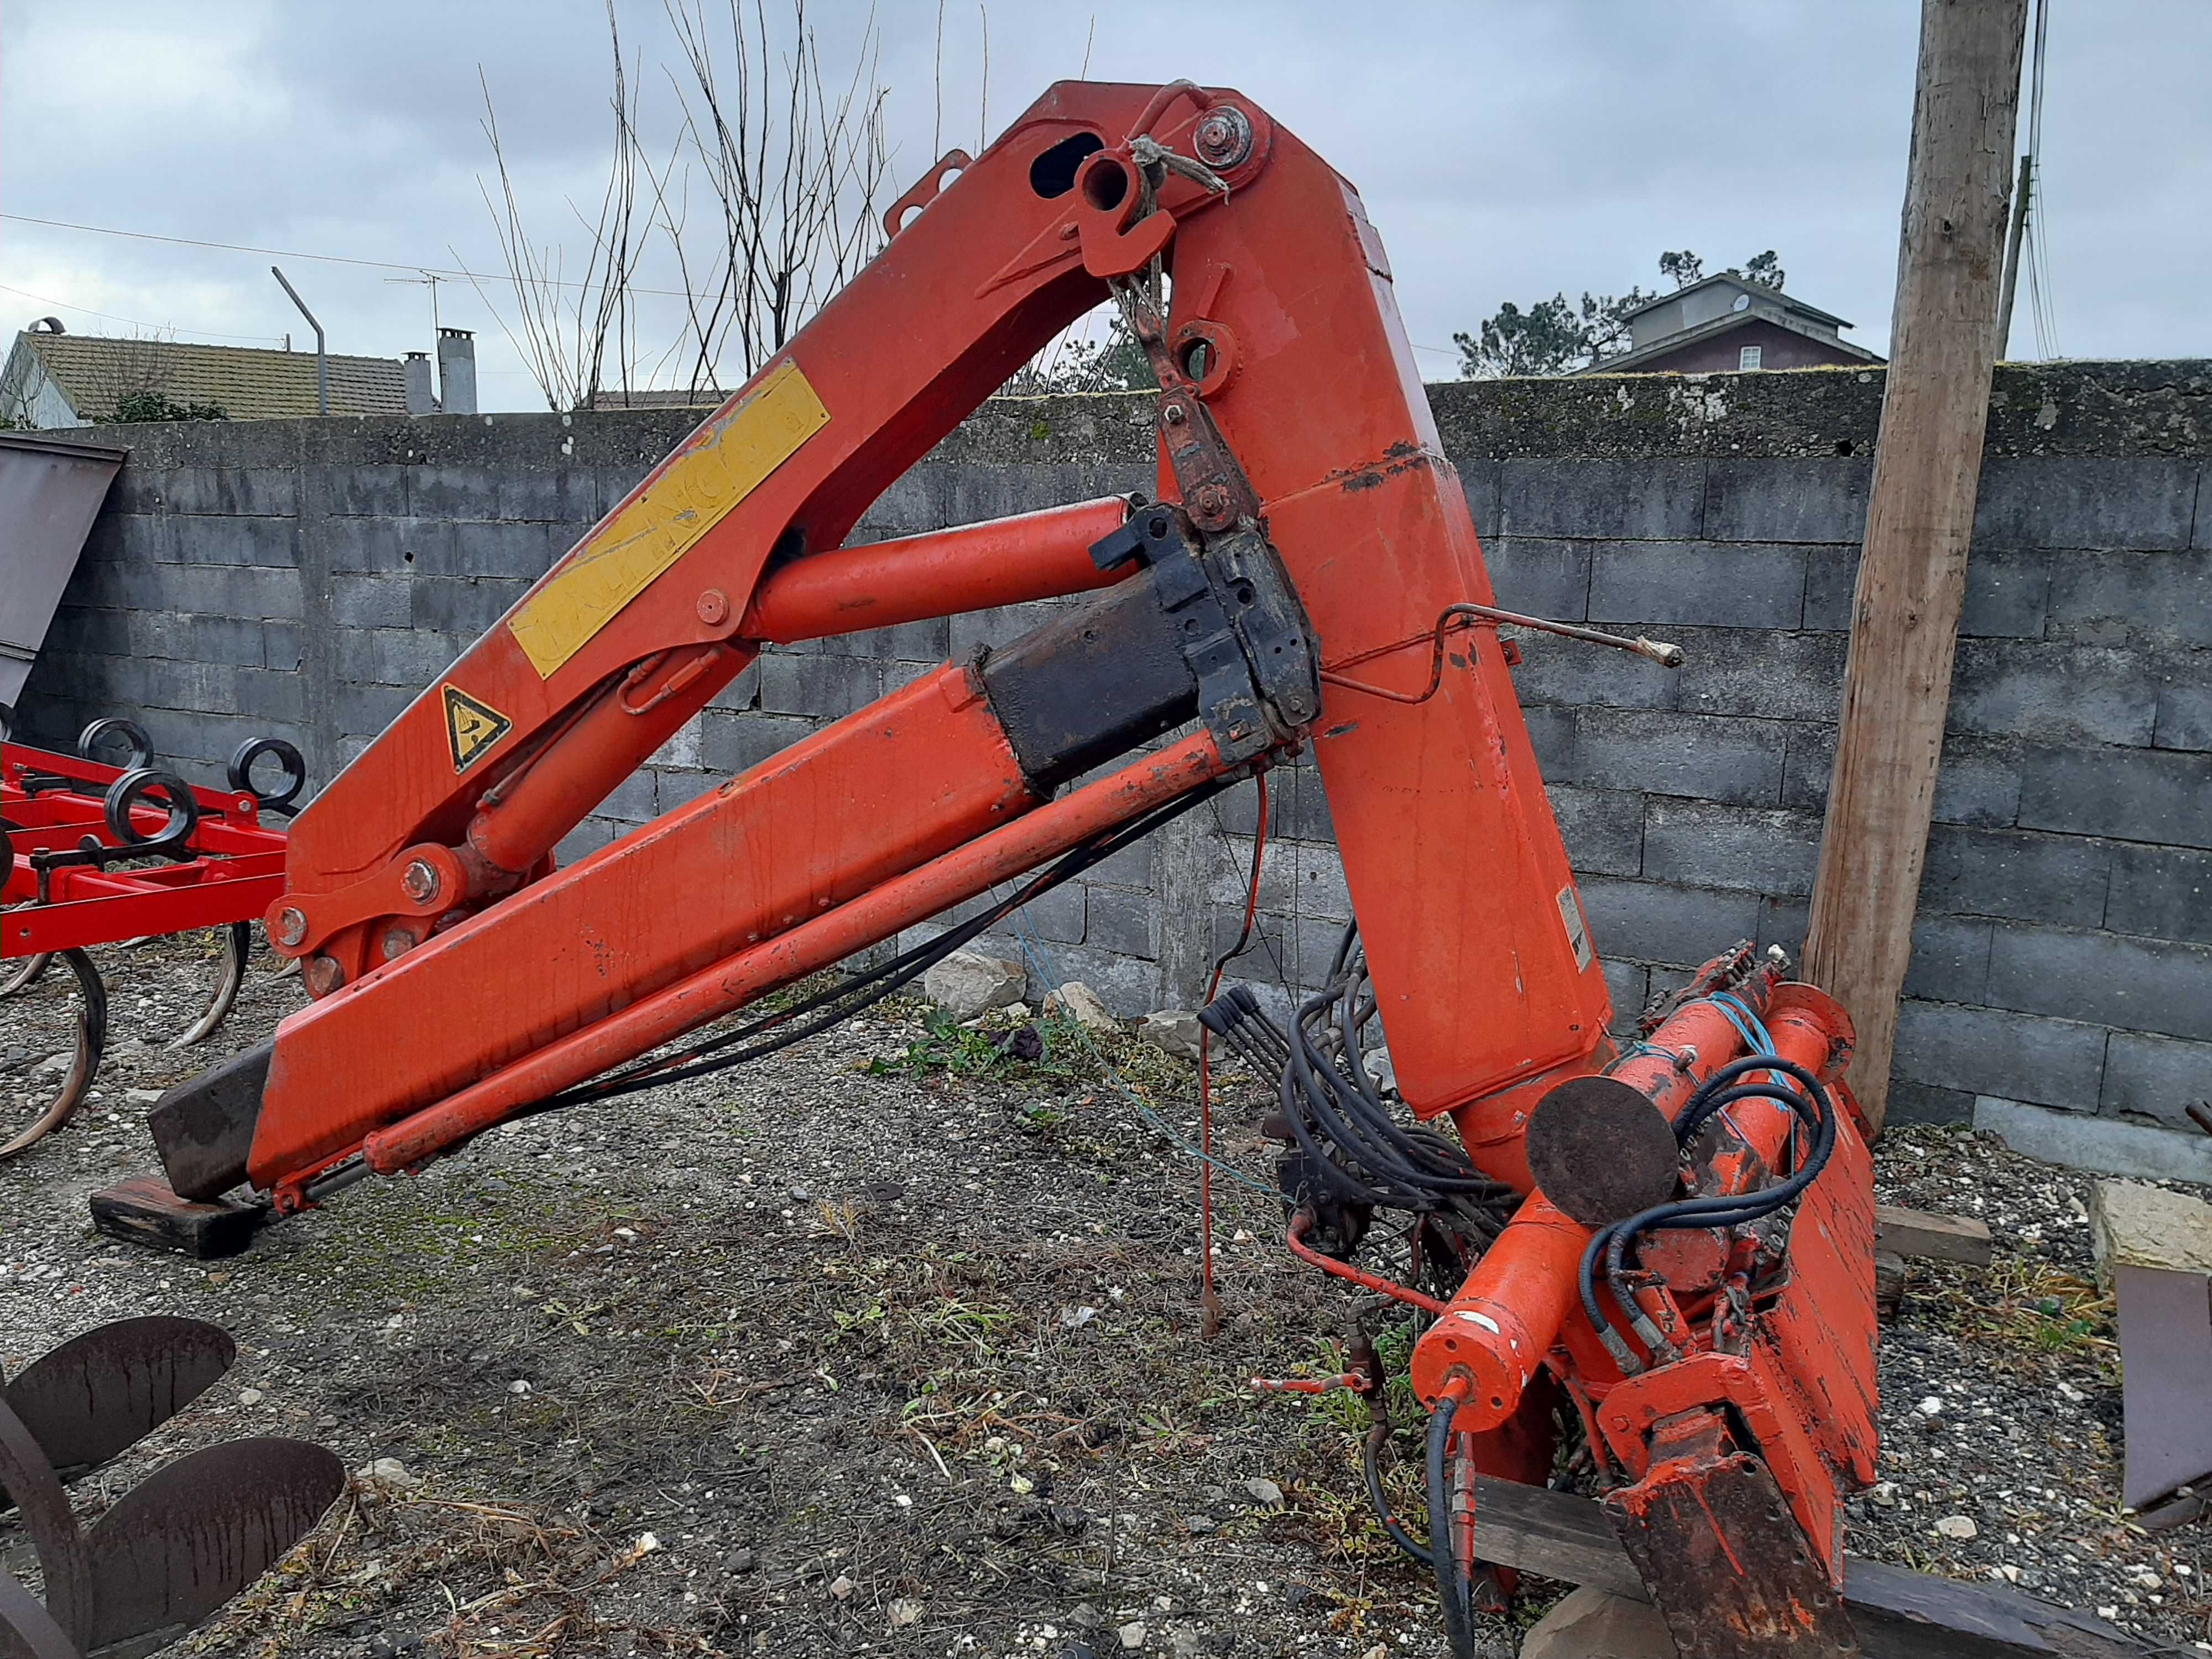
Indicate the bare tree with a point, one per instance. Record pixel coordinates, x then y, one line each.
564 328
786 160
793 162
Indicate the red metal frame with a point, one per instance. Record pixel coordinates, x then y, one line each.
237 869
421 899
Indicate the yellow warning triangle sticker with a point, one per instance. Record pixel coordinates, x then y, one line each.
471 727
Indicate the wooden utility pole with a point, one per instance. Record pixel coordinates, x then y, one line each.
2010 280
1920 517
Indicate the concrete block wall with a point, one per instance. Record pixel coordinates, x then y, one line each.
308 578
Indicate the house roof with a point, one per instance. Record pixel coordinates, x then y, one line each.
629 397
92 371
1736 279
1727 322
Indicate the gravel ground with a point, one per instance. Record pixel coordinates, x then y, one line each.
850 1351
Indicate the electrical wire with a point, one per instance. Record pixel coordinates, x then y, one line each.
109 316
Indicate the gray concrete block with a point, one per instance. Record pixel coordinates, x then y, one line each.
2185 710
2148 795
1950 960
586 838
827 687
196 637
1918 1103
265 695
1478 479
635 799
926 641
359 709
526 551
366 489
566 495
2016 874
1767 676
1709 584
1540 576
1561 673
463 605
1237 812
2048 1062
734 743
2122 598
1318 876
2139 501
2052 693
1703 844
1002 626
741 693
357 601
384 546
1653 922
1603 829
2142 985
453 492
2103 1146
1642 500
1816 499
221 491
2160 892
1121 919
1628 988
1059 916
2155 1077
674 787
1229 874
1782 921
1736 760
1272 951
270 542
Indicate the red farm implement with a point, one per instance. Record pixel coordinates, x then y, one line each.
99 854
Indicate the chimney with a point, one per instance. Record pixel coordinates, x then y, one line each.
419 399
456 371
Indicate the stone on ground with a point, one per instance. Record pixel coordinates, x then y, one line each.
1079 1003
968 983
1595 1624
1173 1031
2132 1225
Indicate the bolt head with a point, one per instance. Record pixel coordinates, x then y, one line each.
398 941
1223 137
713 607
322 976
291 925
1172 416
419 881
1213 500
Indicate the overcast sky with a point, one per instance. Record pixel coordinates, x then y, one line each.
1505 151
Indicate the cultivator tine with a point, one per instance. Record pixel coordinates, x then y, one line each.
194 1534
237 951
84 1066
102 1392
185 1539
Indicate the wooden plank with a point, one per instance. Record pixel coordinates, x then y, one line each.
1931 1237
1898 1614
1920 516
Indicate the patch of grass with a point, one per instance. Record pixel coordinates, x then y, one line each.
2027 1305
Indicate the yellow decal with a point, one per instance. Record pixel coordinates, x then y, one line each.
726 463
471 727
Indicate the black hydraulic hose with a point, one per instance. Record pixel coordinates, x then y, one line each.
1456 1595
1725 1209
1370 1467
842 1002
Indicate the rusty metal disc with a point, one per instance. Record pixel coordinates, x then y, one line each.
1601 1151
197 1531
105 1389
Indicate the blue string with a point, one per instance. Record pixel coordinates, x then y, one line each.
1758 1041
